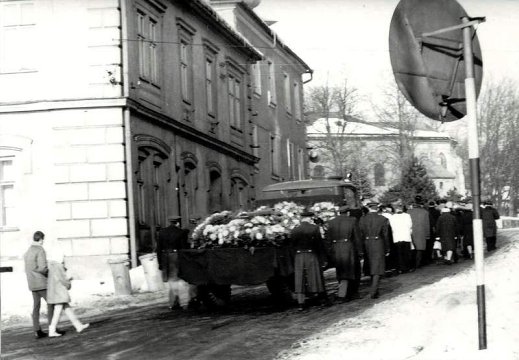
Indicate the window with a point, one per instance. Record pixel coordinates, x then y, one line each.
300 164
291 160
147 35
272 84
275 154
210 86
256 77
443 160
380 175
7 193
234 90
297 101
239 194
215 196
318 171
255 141
17 37
288 95
186 71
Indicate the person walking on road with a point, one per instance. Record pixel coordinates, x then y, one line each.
374 234
307 243
434 214
36 269
402 228
489 216
170 240
421 230
58 286
344 235
446 231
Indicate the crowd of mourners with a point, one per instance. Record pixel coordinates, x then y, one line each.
379 240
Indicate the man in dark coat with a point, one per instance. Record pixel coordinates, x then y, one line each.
489 215
374 234
421 230
36 270
344 235
170 240
447 232
310 254
434 214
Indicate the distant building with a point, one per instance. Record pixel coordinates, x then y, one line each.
116 114
372 143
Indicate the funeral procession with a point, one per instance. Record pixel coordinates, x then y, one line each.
259 179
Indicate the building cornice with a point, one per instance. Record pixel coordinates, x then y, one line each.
191 133
61 104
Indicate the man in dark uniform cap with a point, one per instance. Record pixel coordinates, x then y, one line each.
306 242
344 235
170 240
489 215
374 233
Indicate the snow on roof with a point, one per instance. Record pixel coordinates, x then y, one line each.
355 128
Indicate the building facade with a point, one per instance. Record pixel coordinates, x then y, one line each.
374 145
115 114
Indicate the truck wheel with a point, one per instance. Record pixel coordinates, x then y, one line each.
214 296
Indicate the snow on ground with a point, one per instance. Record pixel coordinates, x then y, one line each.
89 297
438 321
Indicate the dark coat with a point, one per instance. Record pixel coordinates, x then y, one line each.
58 284
447 231
434 214
421 227
468 230
36 268
489 215
307 244
170 238
374 234
345 254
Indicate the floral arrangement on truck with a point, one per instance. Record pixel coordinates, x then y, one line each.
259 228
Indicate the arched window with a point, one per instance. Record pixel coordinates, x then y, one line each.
190 188
443 160
380 175
153 190
239 193
215 196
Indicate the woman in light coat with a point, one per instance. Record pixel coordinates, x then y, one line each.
58 285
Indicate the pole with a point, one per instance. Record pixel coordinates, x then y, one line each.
470 94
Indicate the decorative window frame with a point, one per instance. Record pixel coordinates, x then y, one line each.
271 93
287 94
186 34
13 155
236 72
211 56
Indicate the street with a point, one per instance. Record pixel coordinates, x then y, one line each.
253 329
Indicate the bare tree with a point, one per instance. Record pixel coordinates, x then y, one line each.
397 113
334 106
499 144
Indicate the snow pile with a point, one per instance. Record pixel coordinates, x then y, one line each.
438 321
89 297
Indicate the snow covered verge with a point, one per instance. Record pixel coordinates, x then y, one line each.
438 321
89 297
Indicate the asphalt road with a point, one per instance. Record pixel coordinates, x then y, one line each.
253 329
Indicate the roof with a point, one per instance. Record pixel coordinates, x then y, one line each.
363 129
205 10
306 185
265 28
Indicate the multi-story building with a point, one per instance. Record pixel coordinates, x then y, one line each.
374 144
115 114
277 96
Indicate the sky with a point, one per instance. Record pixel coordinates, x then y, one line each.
349 38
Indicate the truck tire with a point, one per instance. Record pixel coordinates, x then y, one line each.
215 297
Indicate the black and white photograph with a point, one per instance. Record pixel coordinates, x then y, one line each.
259 179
